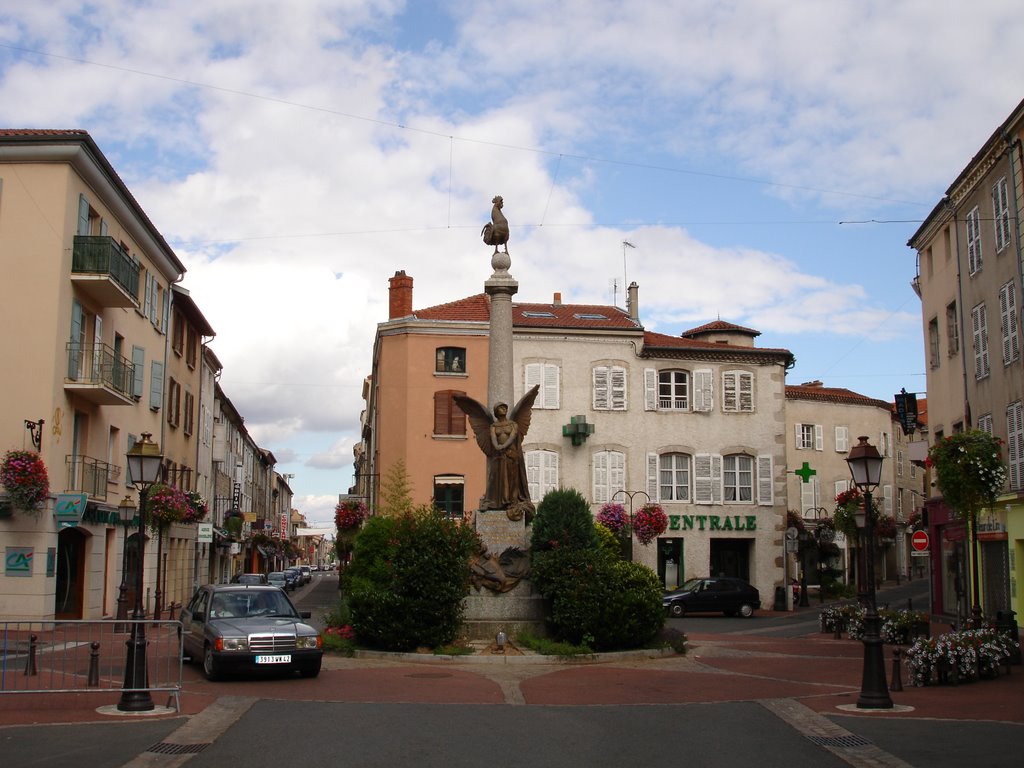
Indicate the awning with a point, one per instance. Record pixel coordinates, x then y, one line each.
449 480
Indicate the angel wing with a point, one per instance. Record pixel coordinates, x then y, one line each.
524 410
480 419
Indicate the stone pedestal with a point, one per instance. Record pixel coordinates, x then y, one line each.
522 607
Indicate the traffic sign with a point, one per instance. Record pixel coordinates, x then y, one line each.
792 533
919 540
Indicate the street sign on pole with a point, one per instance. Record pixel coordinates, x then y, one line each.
919 541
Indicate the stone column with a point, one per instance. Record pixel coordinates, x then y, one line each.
501 287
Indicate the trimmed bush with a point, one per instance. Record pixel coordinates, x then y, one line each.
407 580
563 521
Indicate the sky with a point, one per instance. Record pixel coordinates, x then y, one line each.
768 159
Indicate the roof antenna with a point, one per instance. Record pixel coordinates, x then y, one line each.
625 244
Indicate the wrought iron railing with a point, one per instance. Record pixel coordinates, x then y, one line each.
102 255
99 364
87 475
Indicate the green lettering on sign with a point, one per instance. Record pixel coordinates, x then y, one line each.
701 519
726 523
751 523
673 522
714 522
687 522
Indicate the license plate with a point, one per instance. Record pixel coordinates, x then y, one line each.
285 659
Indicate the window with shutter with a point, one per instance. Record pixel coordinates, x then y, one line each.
979 322
1015 444
738 478
1008 322
618 382
703 390
973 226
601 495
601 389
1001 214
808 495
448 417
674 477
673 390
156 385
541 473
842 439
609 388
139 373
548 376
737 392
766 481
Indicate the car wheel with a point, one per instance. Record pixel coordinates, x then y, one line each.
312 670
677 610
746 610
210 668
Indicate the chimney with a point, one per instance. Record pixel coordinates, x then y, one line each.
399 295
632 301
557 301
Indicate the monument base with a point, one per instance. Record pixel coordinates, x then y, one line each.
522 607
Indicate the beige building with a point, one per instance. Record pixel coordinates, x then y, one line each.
969 281
693 422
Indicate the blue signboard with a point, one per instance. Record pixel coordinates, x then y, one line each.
69 509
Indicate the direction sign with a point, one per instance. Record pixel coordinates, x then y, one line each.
919 540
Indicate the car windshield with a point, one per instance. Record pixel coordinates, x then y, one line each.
690 585
241 605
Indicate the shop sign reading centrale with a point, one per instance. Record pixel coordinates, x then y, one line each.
712 522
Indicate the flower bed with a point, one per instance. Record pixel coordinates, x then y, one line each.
897 627
958 657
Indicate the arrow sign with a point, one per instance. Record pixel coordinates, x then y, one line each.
919 540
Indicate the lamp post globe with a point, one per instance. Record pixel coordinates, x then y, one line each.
144 465
865 464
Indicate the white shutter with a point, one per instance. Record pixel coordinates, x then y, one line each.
887 496
650 389
842 439
765 486
842 486
533 460
730 394
799 437
532 373
652 476
716 479
819 437
1015 443
618 388
702 493
746 393
616 472
551 386
549 479
703 390
808 495
979 323
601 389
1008 323
601 477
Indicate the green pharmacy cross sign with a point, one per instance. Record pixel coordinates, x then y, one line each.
577 429
805 473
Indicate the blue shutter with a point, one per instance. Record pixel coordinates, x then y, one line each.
156 385
75 350
83 215
139 361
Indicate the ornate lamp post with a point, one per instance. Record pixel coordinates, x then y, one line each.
144 463
630 495
866 468
126 511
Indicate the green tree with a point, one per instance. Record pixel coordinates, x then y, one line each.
396 492
563 521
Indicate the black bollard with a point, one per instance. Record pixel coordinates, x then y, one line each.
93 680
897 682
30 662
839 630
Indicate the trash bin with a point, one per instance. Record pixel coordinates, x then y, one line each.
780 599
1006 624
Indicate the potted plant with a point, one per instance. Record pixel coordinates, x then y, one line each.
23 475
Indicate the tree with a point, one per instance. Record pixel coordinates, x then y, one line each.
396 492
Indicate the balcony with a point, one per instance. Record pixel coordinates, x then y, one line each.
87 475
104 272
98 374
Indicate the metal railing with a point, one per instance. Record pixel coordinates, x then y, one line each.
102 255
87 475
50 657
100 365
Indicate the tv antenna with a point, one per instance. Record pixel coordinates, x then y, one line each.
625 244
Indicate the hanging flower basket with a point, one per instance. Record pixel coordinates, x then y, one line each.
349 515
24 477
197 508
613 517
166 504
649 523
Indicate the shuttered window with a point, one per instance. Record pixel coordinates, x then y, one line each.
609 388
979 323
1015 444
609 475
541 473
1008 323
548 376
737 392
448 417
973 225
1001 214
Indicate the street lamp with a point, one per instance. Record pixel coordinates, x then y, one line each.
630 495
144 463
866 468
126 511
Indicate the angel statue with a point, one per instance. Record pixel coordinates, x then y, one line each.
500 437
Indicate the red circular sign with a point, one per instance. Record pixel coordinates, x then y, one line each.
919 540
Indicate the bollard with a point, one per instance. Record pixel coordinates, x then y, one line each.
839 630
897 681
30 662
93 679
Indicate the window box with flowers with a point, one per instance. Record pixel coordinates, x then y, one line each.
23 475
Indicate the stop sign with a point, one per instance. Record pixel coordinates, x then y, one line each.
919 540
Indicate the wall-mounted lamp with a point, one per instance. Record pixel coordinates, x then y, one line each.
36 428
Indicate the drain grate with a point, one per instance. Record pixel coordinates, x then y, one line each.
840 741
165 748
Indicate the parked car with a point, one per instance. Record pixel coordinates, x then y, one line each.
293 577
307 573
277 579
729 595
249 578
246 628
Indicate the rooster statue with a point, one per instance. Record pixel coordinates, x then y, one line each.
496 233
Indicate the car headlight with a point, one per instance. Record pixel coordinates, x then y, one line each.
232 644
312 641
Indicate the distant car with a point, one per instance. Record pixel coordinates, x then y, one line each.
715 594
249 578
277 579
293 577
244 628
307 573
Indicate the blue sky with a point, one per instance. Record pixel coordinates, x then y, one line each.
768 159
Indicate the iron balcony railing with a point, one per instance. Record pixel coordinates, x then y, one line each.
102 255
100 365
88 475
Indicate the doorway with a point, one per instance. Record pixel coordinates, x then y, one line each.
71 556
670 562
730 557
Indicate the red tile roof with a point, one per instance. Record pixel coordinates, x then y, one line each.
660 341
831 395
471 309
719 326
583 316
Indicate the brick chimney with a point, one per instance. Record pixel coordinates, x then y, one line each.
399 295
557 300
